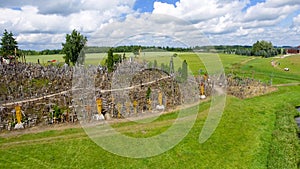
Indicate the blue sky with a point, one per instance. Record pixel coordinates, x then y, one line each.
147 5
43 24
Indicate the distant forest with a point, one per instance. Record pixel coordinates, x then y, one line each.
237 49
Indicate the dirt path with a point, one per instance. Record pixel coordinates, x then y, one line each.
284 56
246 61
287 84
275 63
39 129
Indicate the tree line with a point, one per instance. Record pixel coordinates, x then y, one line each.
43 52
75 42
260 48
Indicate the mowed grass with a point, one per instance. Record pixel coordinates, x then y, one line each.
44 58
257 132
262 69
91 59
194 60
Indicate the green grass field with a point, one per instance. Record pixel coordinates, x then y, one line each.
256 133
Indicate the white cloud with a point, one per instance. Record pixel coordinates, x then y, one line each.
40 41
296 24
194 10
67 7
152 28
106 5
269 11
43 24
280 3
32 21
40 38
28 20
296 20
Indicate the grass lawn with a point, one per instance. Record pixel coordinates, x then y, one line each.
43 58
193 59
263 70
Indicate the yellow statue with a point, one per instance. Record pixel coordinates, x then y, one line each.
149 104
202 89
127 107
135 103
119 110
160 98
18 113
99 105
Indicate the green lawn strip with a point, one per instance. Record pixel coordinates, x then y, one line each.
40 135
285 148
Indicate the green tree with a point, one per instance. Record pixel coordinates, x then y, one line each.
8 44
117 58
73 47
263 48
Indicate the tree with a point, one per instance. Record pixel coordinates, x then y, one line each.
8 44
112 59
73 47
117 58
263 48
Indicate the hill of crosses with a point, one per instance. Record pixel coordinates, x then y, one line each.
41 95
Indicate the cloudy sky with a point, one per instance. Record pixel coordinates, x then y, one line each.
43 24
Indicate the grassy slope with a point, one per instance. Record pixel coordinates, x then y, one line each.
263 70
194 60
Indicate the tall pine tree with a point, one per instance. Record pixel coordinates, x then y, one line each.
8 44
75 42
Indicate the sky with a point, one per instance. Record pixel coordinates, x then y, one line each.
43 24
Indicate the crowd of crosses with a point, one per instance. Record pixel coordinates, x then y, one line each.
34 94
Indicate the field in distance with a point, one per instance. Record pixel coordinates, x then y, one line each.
244 66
